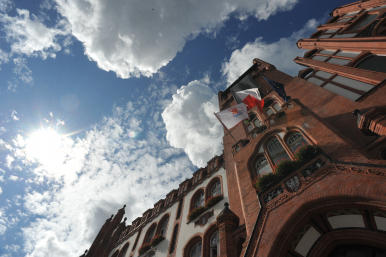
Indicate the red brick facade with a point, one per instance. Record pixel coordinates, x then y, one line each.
335 198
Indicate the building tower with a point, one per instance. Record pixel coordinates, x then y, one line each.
304 177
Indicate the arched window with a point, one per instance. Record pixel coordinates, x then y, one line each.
150 234
196 250
125 250
179 210
277 107
262 166
296 141
214 245
257 123
164 226
270 112
276 150
199 201
115 254
216 189
373 63
174 239
250 127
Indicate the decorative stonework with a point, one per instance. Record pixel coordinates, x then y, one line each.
293 184
361 170
313 167
380 214
274 193
367 31
343 212
277 201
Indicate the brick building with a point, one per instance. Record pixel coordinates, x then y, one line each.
331 202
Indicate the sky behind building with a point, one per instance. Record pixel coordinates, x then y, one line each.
106 103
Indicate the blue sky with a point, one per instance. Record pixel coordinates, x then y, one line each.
102 100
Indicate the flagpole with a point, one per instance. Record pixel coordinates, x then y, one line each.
225 127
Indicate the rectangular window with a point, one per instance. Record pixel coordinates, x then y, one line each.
327 52
353 83
331 30
344 20
341 91
315 81
351 14
345 35
325 36
339 61
376 8
319 58
347 54
323 74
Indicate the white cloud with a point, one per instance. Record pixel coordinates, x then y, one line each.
2 130
4 57
13 114
5 5
280 54
134 38
13 178
22 70
28 35
11 86
8 161
19 141
1 190
97 175
12 248
191 124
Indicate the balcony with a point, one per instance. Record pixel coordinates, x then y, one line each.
294 182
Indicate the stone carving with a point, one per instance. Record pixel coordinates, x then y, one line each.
313 167
293 184
274 193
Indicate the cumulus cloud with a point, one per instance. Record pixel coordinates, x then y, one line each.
191 124
280 54
13 178
28 35
134 38
8 161
108 169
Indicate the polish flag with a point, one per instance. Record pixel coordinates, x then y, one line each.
232 116
251 97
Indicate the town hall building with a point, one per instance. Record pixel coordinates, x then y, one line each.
305 177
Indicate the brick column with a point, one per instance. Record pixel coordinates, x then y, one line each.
227 222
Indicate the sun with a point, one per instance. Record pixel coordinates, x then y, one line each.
45 146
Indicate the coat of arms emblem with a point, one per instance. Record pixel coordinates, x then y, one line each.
293 184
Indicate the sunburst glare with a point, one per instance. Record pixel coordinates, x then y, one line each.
45 146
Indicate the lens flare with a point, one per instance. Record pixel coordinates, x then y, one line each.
132 134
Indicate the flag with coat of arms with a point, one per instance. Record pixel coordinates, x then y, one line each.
232 116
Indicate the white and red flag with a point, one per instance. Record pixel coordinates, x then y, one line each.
232 116
251 97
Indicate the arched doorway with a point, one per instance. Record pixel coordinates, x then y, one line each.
355 250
